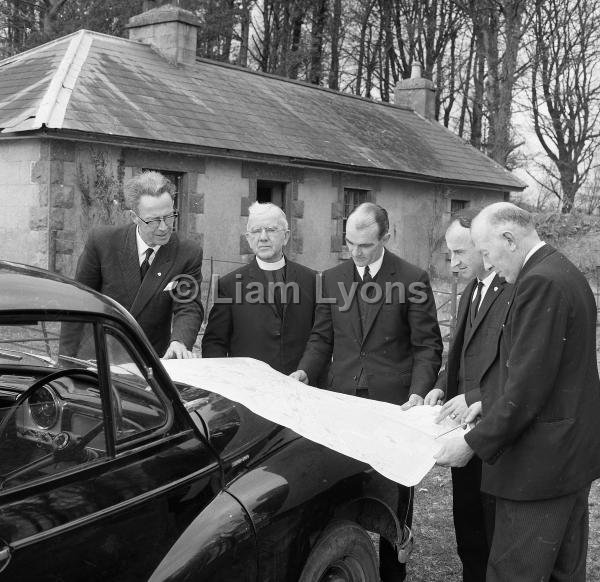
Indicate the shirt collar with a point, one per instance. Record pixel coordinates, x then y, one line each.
142 247
533 250
271 266
373 267
487 281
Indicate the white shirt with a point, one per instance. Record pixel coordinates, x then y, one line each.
271 266
533 250
373 267
142 247
486 285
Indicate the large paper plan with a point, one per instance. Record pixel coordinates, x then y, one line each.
398 444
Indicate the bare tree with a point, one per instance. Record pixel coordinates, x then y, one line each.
333 80
565 89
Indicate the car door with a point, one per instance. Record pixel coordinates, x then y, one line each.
105 493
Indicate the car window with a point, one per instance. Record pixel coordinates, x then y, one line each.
139 407
51 415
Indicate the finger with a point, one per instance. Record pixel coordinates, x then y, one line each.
444 412
407 405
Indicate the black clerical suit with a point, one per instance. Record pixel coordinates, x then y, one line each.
242 324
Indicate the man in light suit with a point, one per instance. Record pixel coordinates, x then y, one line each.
146 268
538 433
263 310
479 323
378 328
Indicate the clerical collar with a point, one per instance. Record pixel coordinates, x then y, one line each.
271 266
373 267
142 246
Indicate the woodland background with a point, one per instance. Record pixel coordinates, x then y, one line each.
518 79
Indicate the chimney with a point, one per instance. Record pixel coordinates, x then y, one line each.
173 31
416 93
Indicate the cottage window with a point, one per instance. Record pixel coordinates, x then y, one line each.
177 180
270 191
353 197
458 205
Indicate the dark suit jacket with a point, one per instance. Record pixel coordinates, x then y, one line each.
539 433
400 348
473 348
240 327
109 264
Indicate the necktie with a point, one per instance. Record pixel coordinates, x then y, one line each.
370 291
146 263
475 303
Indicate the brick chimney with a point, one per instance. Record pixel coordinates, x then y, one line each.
172 30
416 93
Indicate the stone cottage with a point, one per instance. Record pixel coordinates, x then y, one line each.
82 113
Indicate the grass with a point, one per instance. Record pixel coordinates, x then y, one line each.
434 557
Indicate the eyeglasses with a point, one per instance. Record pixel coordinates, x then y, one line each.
154 223
269 230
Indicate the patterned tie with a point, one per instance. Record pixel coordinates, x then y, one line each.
475 303
146 263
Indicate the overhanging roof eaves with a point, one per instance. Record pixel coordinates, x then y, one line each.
198 150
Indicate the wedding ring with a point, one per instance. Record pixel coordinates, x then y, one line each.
453 416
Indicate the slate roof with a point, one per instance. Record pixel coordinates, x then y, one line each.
99 84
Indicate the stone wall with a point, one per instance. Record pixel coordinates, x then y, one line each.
60 189
25 182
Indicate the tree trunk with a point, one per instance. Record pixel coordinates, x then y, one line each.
334 66
315 71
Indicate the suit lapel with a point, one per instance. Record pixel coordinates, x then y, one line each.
157 275
290 277
386 273
347 280
129 263
491 295
463 311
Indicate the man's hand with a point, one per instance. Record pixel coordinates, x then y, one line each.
456 408
454 453
300 375
473 413
177 351
434 396
413 400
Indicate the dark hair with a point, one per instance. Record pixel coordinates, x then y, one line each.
464 216
148 183
376 214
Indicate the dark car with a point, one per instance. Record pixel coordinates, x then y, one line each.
109 471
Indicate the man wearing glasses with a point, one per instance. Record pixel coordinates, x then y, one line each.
265 309
146 268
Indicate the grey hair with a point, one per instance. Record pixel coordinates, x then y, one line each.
257 209
148 183
505 212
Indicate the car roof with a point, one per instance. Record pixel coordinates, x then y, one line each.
27 288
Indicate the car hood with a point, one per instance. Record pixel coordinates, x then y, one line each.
233 430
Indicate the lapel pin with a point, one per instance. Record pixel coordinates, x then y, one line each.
159 274
495 288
